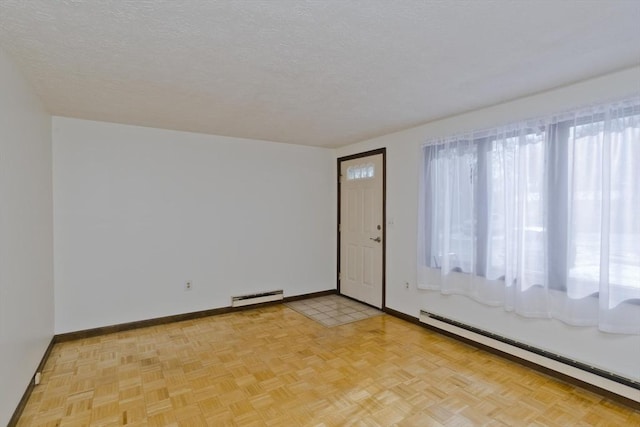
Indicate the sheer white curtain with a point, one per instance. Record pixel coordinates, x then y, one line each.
541 217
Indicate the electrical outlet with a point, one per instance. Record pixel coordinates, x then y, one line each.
37 378
188 286
406 285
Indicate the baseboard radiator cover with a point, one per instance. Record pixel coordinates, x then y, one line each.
597 377
250 299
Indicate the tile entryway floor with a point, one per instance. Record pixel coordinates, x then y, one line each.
333 310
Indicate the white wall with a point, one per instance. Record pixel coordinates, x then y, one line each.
611 352
26 232
139 211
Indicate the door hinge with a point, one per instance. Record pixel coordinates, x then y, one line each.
339 227
339 275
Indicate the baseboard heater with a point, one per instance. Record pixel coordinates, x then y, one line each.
583 372
251 299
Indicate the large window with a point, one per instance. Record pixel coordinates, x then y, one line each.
542 217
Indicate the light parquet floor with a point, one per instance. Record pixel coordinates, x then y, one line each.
274 367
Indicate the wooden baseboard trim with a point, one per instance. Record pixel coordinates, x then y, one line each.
542 369
121 327
13 421
403 316
311 295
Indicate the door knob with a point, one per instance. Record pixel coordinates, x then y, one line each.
377 239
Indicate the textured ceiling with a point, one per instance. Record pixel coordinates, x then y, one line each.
322 73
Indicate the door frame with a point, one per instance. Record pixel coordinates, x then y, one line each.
382 151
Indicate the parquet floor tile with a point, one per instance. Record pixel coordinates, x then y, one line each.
275 367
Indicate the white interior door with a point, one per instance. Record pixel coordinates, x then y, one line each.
361 229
